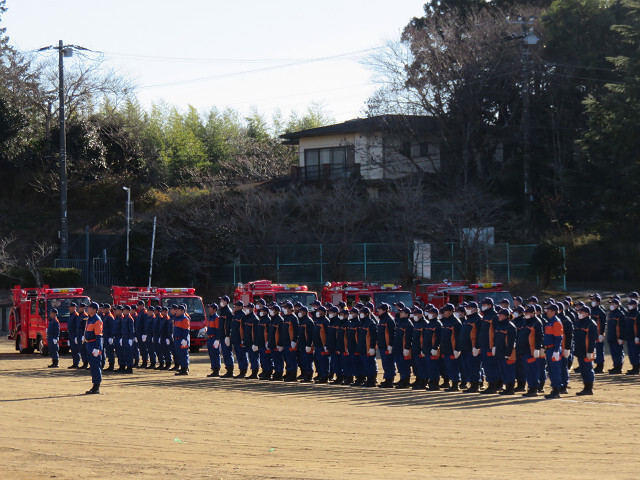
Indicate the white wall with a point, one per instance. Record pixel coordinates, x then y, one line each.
324 142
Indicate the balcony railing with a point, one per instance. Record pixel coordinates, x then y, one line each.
317 173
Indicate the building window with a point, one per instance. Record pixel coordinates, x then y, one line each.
328 162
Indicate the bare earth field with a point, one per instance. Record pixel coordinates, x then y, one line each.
155 425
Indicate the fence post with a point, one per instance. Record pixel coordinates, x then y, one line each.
88 277
564 270
508 265
364 246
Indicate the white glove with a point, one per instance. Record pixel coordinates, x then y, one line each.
266 345
390 349
556 356
591 356
55 341
475 352
75 340
600 338
326 349
567 353
159 341
111 341
493 351
405 352
536 354
120 342
95 352
620 342
434 353
293 344
168 341
144 338
227 341
131 342
372 352
636 340
135 339
456 353
307 349
254 348
280 349
83 339
183 343
216 343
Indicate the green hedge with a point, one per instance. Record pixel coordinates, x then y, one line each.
61 277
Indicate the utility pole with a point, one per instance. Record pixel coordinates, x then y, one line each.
63 51
128 189
528 38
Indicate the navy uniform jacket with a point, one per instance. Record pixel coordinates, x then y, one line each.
303 341
600 317
519 323
419 333
273 333
72 325
386 331
367 335
107 325
352 334
226 315
289 330
82 324
448 335
260 329
468 338
53 328
614 325
128 327
630 332
116 329
140 321
431 336
585 337
485 336
181 326
167 327
567 328
93 333
157 325
248 325
504 339
403 336
553 335
212 326
320 330
529 337
332 333
148 325
341 335
236 327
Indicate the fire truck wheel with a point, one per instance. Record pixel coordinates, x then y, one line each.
39 345
20 348
194 349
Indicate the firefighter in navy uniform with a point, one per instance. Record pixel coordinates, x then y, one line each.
213 343
148 338
321 352
431 347
448 348
289 340
341 331
165 337
94 346
615 337
273 342
72 329
226 317
235 337
248 333
529 342
504 340
402 346
140 320
485 344
600 317
417 348
128 333
181 338
386 334
335 367
367 336
53 337
107 334
82 324
519 322
630 335
567 345
261 329
585 337
553 335
468 347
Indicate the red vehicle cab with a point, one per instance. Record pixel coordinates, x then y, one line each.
459 291
29 316
273 292
363 292
153 296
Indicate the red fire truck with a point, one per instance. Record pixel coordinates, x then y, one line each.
165 297
458 291
30 314
363 292
273 292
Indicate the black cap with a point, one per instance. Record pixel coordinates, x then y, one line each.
140 302
54 310
126 307
487 301
552 306
214 305
225 298
383 306
73 304
304 309
530 309
94 305
585 309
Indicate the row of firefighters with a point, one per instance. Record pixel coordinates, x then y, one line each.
512 349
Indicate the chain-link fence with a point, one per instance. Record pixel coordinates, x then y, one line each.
383 262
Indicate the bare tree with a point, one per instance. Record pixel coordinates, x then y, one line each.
34 260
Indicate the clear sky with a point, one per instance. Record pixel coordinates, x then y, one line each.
200 52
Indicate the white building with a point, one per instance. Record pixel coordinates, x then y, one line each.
376 148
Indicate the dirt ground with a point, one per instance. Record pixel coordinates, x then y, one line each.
154 425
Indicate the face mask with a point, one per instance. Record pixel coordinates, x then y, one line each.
362 315
468 311
332 315
431 316
262 314
582 315
318 314
458 314
272 312
440 317
527 316
223 304
485 307
300 315
593 304
351 316
612 307
631 307
245 311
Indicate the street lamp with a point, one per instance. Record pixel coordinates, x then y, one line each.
128 222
